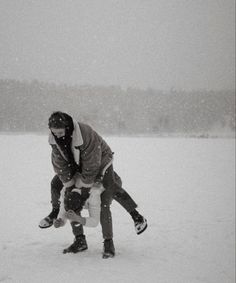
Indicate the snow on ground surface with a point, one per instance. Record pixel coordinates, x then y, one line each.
184 187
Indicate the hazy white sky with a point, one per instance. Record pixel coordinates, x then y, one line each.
188 44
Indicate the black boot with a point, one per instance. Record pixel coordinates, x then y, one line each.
79 245
108 248
48 221
140 223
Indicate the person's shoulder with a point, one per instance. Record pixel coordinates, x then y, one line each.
85 128
81 124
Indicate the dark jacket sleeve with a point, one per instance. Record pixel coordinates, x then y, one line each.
62 168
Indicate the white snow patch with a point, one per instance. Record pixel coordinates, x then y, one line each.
184 187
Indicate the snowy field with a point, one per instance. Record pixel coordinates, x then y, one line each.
184 187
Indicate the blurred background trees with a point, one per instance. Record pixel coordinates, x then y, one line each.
26 106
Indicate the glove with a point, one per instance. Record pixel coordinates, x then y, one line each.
98 181
58 223
72 216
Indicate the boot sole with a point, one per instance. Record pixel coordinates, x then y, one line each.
45 227
108 255
140 232
66 251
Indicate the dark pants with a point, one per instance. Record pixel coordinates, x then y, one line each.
56 187
113 190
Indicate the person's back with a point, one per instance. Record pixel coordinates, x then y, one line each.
95 153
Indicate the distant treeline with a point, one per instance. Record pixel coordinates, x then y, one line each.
26 106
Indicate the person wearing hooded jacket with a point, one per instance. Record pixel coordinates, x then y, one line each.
78 149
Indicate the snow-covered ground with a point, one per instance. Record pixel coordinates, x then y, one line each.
184 187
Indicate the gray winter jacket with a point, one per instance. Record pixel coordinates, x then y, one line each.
91 154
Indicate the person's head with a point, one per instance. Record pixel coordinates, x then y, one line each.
74 201
60 124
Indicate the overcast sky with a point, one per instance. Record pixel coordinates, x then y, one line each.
163 44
